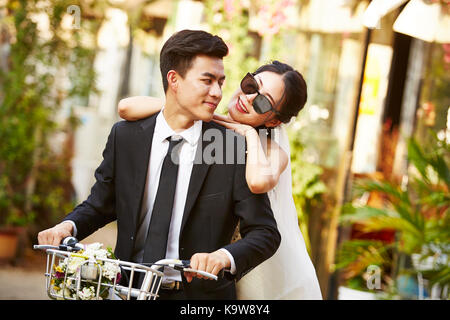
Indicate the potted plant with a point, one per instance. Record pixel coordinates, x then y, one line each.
418 212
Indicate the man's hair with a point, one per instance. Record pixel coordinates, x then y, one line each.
181 48
295 89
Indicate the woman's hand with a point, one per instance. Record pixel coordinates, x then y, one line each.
231 124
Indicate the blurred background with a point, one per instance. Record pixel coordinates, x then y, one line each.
370 151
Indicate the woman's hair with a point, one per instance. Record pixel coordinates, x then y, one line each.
182 47
295 89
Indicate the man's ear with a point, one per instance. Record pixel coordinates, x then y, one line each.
272 123
172 80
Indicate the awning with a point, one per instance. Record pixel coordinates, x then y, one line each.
377 9
419 19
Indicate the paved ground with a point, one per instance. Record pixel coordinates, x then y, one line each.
27 281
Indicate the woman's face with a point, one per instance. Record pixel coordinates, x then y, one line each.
240 107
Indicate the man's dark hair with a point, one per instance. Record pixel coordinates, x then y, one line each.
295 89
182 47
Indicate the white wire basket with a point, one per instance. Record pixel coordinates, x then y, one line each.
89 282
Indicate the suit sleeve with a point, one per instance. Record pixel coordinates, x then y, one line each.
258 228
99 208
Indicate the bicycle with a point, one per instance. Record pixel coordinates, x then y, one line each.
90 274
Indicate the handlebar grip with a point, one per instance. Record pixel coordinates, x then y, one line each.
44 247
67 244
203 273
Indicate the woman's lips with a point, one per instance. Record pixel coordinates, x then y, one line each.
240 106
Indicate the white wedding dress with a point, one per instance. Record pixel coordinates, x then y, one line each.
289 274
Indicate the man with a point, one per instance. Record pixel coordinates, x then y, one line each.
168 205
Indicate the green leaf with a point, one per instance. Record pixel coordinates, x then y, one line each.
417 158
356 255
351 214
393 191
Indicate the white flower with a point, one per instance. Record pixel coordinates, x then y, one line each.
95 250
110 270
87 293
74 264
71 266
94 246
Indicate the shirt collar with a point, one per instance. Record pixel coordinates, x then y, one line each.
163 130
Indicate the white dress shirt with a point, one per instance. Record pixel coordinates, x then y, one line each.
160 145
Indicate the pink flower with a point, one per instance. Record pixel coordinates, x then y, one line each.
273 16
229 8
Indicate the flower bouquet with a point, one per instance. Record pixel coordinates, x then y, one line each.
87 274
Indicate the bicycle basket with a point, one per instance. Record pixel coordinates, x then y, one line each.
74 276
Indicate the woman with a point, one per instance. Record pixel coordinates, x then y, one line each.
266 99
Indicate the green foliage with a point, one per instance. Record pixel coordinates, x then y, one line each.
307 186
419 213
357 255
232 24
34 174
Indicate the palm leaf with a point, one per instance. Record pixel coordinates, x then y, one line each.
438 229
385 222
356 255
392 191
437 199
440 276
351 213
417 158
435 160
409 214
440 166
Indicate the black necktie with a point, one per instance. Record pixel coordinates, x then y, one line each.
158 230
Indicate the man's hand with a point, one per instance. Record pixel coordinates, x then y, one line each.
53 236
209 262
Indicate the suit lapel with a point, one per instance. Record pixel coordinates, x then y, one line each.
144 137
199 171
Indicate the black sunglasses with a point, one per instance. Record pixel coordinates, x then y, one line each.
261 103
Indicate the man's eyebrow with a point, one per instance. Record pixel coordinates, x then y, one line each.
210 75
262 85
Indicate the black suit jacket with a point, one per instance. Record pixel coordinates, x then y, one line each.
218 197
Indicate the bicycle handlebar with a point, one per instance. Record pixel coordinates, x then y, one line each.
71 244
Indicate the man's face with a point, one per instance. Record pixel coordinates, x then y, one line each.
200 91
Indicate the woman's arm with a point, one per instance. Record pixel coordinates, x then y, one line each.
262 171
138 107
